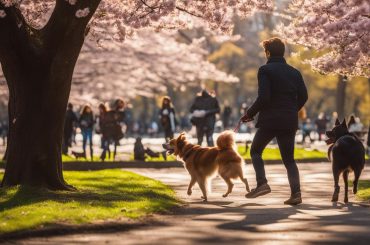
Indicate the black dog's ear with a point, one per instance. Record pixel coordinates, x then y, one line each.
344 123
337 122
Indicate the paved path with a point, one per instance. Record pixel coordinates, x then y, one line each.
236 220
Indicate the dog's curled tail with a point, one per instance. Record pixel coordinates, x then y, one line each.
226 140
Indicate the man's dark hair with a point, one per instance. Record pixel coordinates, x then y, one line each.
70 106
275 46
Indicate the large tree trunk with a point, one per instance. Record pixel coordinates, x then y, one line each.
37 108
38 66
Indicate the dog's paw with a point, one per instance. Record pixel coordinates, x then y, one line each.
225 195
189 192
205 200
334 198
345 199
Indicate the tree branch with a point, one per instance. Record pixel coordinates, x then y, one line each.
188 12
64 29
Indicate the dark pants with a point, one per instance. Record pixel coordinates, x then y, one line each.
168 134
285 140
208 131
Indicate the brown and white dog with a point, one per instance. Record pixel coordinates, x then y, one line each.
203 163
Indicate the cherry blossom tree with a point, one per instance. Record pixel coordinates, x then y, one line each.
152 62
338 29
40 41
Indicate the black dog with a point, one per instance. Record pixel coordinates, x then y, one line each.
78 155
347 153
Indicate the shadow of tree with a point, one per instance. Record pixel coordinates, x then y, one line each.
303 219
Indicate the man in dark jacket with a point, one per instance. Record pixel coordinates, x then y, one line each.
281 94
69 123
204 110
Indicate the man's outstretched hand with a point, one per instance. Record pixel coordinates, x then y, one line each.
246 118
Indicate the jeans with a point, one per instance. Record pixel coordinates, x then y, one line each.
87 136
208 131
285 140
105 147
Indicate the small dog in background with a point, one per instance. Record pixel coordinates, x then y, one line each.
347 153
203 163
78 155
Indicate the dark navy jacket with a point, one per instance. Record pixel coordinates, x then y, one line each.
281 94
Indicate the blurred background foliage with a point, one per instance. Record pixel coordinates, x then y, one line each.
242 58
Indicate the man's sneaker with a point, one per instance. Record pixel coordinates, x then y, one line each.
259 191
294 199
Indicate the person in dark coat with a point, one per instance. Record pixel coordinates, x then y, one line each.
167 118
204 110
110 128
281 94
69 123
86 123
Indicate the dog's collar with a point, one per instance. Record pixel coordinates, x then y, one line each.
187 154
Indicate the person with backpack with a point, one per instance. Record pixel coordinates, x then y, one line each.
204 110
110 128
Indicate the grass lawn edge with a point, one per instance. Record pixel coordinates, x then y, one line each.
110 224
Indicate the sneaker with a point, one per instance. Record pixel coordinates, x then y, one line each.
259 191
294 199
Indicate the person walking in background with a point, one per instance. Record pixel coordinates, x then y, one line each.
226 115
120 116
110 129
106 136
204 110
119 108
356 127
69 125
281 94
167 118
86 123
306 130
321 123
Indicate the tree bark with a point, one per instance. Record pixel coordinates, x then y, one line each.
38 66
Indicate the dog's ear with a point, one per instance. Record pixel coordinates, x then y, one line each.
344 123
337 122
182 136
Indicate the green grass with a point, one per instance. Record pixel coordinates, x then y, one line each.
268 154
68 158
102 195
274 154
363 192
